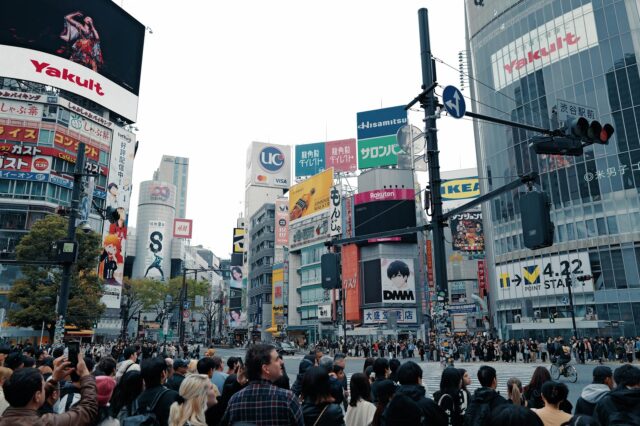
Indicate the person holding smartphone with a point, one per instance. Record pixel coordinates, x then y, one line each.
25 391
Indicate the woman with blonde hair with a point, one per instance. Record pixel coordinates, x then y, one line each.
196 395
514 392
193 366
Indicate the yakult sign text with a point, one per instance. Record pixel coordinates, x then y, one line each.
557 39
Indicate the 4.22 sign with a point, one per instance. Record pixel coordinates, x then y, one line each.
546 276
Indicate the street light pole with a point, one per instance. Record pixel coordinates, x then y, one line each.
63 296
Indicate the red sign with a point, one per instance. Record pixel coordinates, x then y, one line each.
31 151
186 314
19 133
341 155
41 164
19 164
430 265
482 278
384 195
67 142
182 228
351 281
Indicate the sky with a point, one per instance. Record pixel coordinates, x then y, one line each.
217 75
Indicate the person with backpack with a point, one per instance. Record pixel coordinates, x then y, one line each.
449 397
621 406
125 393
410 400
70 392
153 405
129 363
485 399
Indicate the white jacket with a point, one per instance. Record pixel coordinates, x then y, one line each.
360 415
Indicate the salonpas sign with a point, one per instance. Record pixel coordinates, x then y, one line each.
557 39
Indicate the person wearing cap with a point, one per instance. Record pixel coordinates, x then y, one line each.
104 387
130 356
598 389
180 367
14 361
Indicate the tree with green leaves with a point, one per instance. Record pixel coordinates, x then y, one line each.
34 295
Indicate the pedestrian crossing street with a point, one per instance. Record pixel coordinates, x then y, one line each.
432 372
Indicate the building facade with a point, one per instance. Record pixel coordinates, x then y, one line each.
541 63
175 170
261 255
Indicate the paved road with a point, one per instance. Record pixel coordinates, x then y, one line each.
433 371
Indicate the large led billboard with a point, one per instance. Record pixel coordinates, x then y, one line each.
91 48
385 210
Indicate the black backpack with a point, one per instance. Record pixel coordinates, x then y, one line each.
477 414
144 416
402 410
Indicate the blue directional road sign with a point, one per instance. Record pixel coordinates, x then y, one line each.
453 102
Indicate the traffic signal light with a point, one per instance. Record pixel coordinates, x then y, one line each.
590 132
556 145
330 271
537 228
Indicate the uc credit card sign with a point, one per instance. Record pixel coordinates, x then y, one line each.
377 144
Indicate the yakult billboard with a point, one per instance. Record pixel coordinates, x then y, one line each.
93 49
552 41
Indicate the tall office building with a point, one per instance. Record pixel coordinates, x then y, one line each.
176 171
533 62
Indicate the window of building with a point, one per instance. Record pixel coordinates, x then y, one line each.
13 220
45 137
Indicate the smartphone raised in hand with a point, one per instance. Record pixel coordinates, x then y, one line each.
74 350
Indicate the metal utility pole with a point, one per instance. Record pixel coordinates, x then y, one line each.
63 296
429 104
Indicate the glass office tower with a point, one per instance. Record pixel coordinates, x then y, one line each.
541 63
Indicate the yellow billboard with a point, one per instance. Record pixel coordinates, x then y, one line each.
310 196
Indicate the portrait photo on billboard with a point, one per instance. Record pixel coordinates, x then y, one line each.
97 34
466 232
398 281
236 277
237 318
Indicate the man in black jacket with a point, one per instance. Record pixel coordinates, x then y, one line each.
591 394
411 389
485 399
154 374
622 405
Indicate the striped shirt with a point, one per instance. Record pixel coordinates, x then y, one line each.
263 404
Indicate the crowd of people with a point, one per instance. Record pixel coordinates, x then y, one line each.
142 384
468 349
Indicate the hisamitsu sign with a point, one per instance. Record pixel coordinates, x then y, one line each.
377 143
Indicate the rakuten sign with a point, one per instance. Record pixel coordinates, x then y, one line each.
557 39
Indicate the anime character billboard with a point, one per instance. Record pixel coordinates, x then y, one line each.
398 281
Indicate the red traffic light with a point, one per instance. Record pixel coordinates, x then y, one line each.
605 134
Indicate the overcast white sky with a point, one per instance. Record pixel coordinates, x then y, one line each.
217 75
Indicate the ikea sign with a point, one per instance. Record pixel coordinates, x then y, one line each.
459 189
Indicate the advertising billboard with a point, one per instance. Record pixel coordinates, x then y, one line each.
238 240
282 222
466 231
385 210
377 144
311 159
20 110
155 259
309 230
551 42
237 275
335 215
114 235
269 165
93 49
277 297
545 276
237 318
459 189
311 196
341 155
381 315
398 281
182 228
351 281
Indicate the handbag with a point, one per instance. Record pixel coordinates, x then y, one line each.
321 413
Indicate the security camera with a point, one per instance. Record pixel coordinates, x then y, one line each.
85 227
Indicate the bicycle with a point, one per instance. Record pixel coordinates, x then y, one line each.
566 370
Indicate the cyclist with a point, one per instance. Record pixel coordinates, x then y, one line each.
562 354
